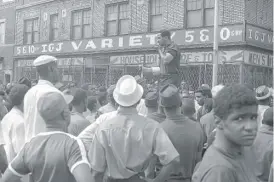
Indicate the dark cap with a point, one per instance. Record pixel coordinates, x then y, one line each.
151 99
25 81
17 94
169 96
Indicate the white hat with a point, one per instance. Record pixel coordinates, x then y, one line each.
127 92
44 59
216 89
263 92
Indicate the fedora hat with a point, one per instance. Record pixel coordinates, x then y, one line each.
263 92
169 96
127 92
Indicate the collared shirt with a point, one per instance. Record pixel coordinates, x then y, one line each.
13 132
188 138
50 157
123 146
220 166
88 133
261 110
263 149
141 108
77 123
157 117
107 108
34 123
208 123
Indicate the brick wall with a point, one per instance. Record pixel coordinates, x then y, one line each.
43 12
231 12
260 12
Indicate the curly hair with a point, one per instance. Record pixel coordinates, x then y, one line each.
232 97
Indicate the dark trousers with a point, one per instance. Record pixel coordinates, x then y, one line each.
166 79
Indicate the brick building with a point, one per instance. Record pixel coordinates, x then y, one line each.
7 26
97 41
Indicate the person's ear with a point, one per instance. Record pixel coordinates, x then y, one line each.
219 122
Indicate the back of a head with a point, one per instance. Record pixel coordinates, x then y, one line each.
17 94
232 97
268 117
43 63
208 105
92 103
50 106
205 91
79 95
166 33
151 100
188 106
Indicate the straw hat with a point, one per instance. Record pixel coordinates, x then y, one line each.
127 91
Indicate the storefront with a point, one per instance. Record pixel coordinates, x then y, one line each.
102 61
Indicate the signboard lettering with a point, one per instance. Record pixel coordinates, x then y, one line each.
61 62
259 37
149 59
207 57
256 58
232 33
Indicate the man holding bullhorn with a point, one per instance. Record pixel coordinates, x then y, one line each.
169 61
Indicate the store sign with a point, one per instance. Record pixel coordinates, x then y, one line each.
148 59
255 58
259 37
61 62
233 33
207 57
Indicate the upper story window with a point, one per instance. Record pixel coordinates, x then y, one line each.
31 31
200 13
53 27
81 27
117 19
2 31
156 14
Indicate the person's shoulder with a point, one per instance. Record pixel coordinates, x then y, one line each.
216 173
207 118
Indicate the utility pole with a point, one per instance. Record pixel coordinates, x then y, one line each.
216 45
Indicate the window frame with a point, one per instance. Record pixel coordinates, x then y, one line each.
152 15
81 24
203 13
118 19
51 38
3 21
32 20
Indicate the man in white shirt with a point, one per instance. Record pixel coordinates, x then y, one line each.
48 75
13 122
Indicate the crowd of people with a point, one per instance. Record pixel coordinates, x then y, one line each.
133 131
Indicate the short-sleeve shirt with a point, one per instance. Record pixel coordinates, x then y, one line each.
263 149
220 166
123 146
88 133
77 123
157 117
188 138
34 123
50 157
107 108
173 66
208 123
13 132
